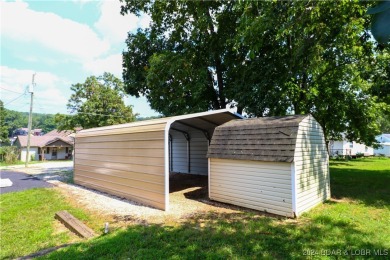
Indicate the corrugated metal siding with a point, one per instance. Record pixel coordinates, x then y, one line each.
198 151
264 186
311 166
126 161
179 152
199 145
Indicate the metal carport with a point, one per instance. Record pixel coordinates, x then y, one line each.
134 160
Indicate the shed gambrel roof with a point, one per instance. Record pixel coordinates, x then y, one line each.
259 139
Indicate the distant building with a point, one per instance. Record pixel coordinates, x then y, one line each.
345 147
55 145
24 131
384 141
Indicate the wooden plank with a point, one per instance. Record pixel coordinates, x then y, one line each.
75 225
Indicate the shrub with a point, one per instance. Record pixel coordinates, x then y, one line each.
9 154
359 155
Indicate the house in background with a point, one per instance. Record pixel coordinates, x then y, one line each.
24 131
345 147
55 145
384 141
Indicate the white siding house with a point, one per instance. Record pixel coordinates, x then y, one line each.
345 147
384 141
45 148
276 164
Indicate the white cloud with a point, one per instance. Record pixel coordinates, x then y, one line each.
50 30
115 26
51 93
112 64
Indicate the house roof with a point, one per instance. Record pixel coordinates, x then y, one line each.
41 141
259 139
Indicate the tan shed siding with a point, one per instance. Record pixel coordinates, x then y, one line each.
264 186
124 162
311 166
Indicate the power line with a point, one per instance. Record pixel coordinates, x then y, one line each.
14 99
18 106
12 91
95 114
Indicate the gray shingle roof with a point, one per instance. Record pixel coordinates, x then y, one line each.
259 139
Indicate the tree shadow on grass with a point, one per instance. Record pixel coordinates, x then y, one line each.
222 236
370 187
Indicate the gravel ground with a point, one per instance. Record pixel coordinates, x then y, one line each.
188 196
42 168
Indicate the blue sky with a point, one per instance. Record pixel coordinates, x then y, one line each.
63 42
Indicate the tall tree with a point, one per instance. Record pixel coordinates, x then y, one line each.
4 140
96 102
312 57
180 63
266 57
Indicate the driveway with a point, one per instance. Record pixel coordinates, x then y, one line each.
35 175
21 181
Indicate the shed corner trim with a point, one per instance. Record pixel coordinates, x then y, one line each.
294 190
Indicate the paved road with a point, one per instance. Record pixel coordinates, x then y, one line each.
21 181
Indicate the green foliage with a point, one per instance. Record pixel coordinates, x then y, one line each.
312 57
4 140
28 224
180 63
96 102
9 154
266 57
14 120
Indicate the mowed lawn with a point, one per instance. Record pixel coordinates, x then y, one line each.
355 222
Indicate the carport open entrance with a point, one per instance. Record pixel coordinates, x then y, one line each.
188 164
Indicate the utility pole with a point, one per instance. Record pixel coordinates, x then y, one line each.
31 90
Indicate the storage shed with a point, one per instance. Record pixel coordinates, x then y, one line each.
134 160
273 164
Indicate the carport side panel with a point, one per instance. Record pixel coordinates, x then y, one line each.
117 176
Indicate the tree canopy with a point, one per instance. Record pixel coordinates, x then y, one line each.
12 120
4 140
96 102
266 58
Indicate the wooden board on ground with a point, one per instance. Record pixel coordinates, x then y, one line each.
74 224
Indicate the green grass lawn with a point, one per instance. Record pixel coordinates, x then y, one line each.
355 221
27 221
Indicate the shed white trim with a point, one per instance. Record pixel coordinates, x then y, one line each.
293 189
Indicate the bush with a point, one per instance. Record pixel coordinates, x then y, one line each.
9 154
359 155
